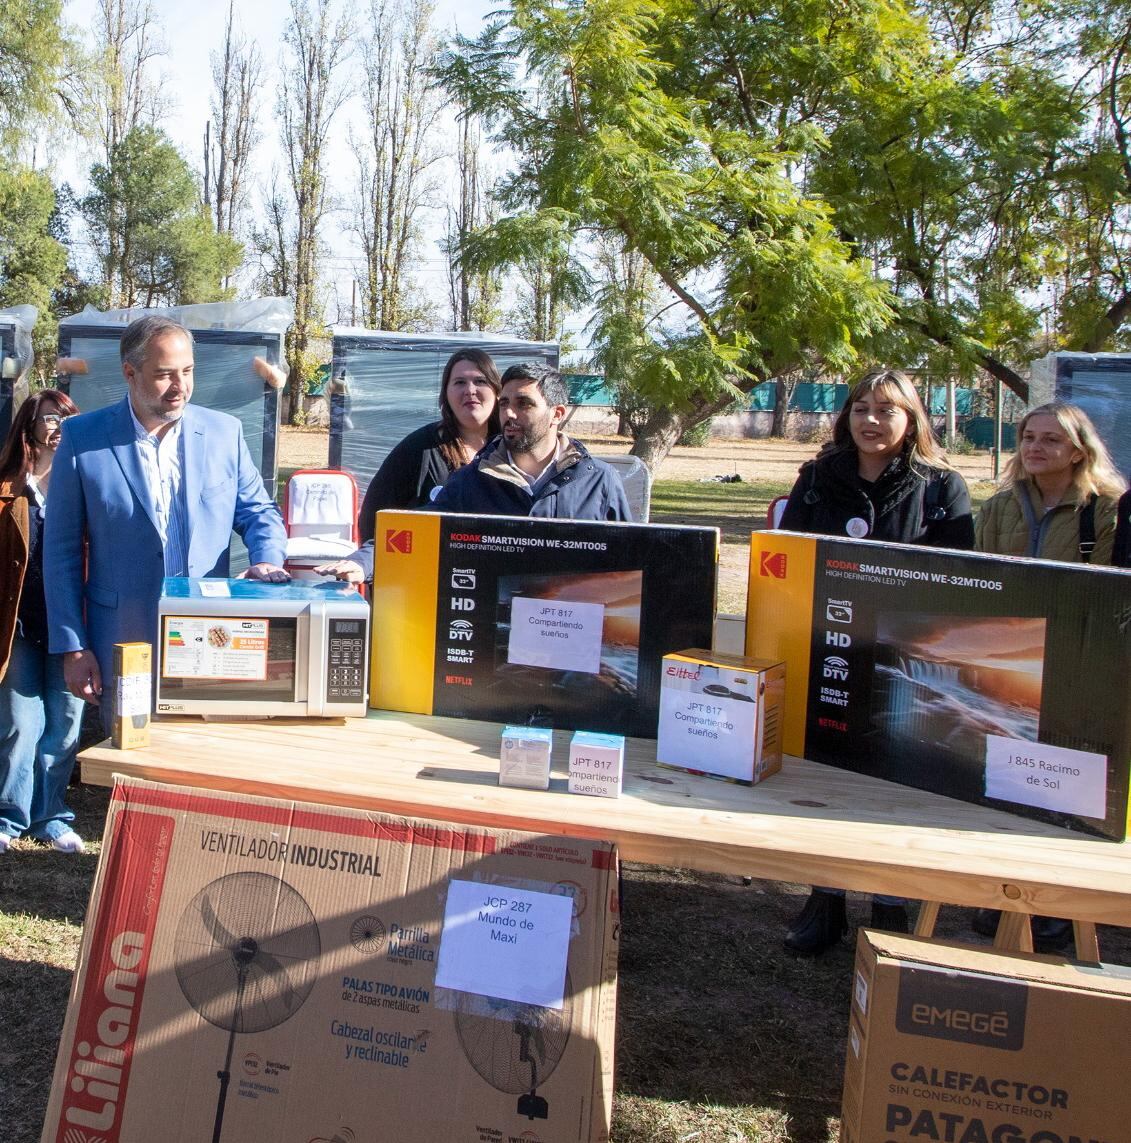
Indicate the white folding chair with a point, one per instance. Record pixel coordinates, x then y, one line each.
320 514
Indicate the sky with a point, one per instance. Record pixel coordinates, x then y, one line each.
193 30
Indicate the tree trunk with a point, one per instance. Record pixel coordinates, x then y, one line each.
783 393
664 427
658 436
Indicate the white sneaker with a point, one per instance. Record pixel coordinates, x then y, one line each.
69 842
5 841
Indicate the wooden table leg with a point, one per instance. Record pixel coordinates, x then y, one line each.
927 919
1014 933
1087 946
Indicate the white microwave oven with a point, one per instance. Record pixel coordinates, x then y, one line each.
235 647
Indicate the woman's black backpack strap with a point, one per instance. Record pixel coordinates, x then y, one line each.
1088 530
812 496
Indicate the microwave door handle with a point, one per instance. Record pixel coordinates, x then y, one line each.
318 661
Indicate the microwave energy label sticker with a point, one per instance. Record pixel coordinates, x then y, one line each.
212 647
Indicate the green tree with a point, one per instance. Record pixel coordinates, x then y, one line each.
395 160
32 55
475 298
1095 217
167 251
31 260
311 92
990 180
645 128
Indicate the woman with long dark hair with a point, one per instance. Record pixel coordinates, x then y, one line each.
419 466
39 718
883 476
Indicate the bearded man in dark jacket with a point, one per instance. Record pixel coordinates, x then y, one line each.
533 468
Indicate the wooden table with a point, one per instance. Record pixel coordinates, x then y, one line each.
811 823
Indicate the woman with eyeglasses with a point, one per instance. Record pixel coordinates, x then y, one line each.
39 718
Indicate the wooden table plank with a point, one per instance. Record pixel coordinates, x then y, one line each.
811 823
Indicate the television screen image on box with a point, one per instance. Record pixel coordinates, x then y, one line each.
605 606
943 682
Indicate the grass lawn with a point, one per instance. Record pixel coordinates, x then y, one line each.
735 509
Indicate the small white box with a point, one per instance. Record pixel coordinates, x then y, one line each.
596 764
524 757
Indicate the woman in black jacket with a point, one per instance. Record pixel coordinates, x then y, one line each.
418 467
1121 554
883 476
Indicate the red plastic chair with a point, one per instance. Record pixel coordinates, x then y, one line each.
776 511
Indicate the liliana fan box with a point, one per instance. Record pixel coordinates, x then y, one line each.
259 970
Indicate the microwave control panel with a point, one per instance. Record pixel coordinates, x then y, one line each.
345 674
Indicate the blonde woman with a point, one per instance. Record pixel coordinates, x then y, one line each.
1059 492
1059 501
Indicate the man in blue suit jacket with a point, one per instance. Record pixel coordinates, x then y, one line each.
146 488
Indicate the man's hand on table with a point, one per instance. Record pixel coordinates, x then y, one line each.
268 573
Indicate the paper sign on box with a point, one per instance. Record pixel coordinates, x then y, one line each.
596 764
556 633
505 942
1053 777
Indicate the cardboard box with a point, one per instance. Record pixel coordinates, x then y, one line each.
721 715
524 757
1000 681
541 622
133 695
336 964
596 764
949 1042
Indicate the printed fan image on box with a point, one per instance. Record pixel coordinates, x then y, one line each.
246 951
998 681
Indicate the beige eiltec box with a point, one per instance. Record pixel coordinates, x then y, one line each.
721 715
260 971
966 1045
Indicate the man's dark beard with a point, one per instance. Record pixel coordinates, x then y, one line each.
525 441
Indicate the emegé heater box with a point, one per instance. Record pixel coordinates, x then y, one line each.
1000 681
255 969
951 1042
559 623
